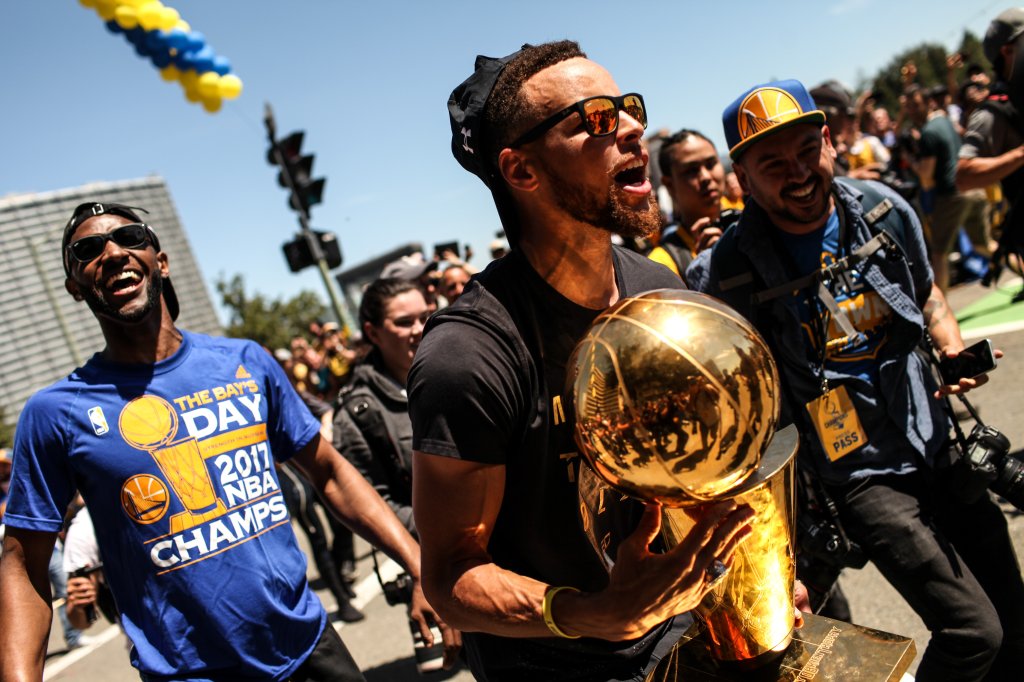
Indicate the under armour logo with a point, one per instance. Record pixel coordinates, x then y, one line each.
466 134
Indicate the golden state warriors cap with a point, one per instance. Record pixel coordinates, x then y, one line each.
766 109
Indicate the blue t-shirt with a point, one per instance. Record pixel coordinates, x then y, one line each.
175 462
850 356
849 361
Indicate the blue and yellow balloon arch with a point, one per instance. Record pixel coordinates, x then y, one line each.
160 35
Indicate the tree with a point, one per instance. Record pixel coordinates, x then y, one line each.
270 322
930 61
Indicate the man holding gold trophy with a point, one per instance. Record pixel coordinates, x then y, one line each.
505 554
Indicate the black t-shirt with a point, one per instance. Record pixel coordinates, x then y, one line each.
488 385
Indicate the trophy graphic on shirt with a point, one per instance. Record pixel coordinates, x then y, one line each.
149 423
676 400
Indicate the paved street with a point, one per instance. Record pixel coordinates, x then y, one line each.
382 644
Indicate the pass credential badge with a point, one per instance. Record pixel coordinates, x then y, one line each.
837 423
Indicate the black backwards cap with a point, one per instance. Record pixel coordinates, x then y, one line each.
465 110
87 210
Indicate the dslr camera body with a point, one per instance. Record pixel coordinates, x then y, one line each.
824 548
985 463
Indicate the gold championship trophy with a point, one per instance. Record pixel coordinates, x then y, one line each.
677 401
149 423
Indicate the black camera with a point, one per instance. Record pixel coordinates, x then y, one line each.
824 540
398 591
727 218
986 464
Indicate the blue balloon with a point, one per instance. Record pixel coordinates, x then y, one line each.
222 65
114 27
160 58
135 36
142 49
156 40
177 39
196 41
184 61
204 59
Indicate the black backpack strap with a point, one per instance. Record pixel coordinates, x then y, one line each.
879 213
367 413
680 256
736 273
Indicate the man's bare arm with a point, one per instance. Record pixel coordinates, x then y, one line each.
945 333
359 506
356 502
979 172
25 610
925 169
456 504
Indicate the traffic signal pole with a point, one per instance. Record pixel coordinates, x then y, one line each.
300 207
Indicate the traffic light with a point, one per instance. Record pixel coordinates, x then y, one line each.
299 256
296 173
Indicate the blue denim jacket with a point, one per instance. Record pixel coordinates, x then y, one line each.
905 424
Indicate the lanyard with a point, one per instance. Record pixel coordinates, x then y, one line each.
816 289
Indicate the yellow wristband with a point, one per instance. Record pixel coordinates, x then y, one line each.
549 596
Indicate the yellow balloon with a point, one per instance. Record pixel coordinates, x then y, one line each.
208 85
188 79
87 3
132 3
168 18
106 9
183 25
170 73
230 86
149 15
126 17
212 104
192 94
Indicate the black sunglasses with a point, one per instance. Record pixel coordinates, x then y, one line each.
130 236
600 116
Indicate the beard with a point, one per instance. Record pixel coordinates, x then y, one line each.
607 212
100 307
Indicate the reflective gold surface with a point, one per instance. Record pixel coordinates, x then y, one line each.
676 401
823 650
750 613
676 397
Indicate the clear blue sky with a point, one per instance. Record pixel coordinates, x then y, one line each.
369 81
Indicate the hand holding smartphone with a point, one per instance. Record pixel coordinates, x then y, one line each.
969 363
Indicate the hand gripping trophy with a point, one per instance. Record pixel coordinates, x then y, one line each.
677 401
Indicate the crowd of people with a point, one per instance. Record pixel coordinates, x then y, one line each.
828 223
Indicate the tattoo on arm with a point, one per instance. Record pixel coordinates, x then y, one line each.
935 311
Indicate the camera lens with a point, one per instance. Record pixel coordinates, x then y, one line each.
1010 484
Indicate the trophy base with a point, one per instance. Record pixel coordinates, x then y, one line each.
822 650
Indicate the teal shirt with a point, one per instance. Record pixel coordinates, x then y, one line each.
939 140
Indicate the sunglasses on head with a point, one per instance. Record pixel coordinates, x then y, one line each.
130 236
600 116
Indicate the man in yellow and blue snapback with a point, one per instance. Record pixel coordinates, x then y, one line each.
834 273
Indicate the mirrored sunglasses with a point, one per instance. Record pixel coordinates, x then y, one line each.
600 116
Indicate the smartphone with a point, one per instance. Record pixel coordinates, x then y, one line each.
972 361
439 249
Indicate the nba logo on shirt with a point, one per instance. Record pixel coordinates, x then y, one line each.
99 422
